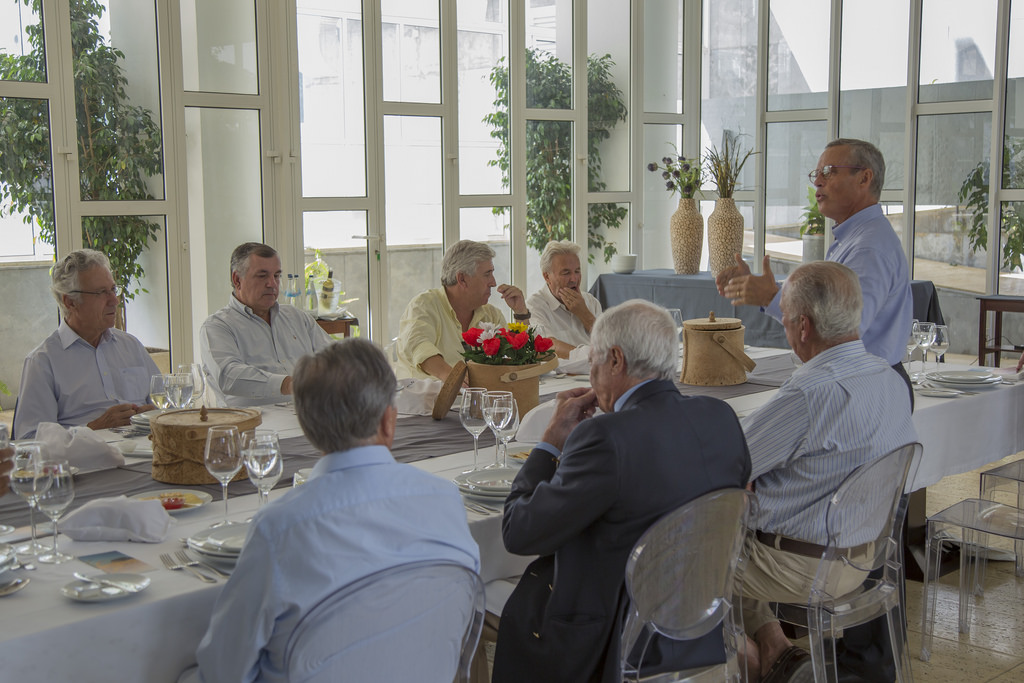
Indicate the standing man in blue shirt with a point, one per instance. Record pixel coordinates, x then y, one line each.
848 182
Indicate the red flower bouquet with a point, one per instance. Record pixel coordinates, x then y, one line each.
514 344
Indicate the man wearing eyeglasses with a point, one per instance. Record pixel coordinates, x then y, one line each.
86 372
848 182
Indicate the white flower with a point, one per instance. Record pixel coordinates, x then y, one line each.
489 330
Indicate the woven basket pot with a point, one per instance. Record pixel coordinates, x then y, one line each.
179 442
686 229
713 353
522 380
725 235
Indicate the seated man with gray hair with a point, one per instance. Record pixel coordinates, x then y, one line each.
87 372
594 485
843 408
561 310
430 332
250 346
359 512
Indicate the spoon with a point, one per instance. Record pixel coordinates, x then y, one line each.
13 586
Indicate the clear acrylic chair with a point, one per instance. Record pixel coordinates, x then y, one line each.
870 503
1008 477
976 519
414 622
681 576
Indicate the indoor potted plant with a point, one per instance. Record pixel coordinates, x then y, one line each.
510 358
725 224
686 226
812 229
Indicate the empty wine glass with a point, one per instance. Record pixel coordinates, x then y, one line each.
261 452
29 480
54 501
471 414
924 334
223 458
195 371
911 346
497 413
158 391
508 432
941 343
179 389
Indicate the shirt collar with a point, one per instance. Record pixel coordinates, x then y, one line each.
850 224
835 353
68 336
550 299
237 305
621 400
360 456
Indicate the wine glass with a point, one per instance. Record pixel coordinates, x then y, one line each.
158 391
179 389
507 433
261 452
497 412
924 334
30 479
911 345
5 442
198 382
223 458
941 343
471 414
54 501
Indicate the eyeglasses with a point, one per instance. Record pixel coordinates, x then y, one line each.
113 291
825 172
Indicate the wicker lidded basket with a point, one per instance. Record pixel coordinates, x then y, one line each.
179 440
713 353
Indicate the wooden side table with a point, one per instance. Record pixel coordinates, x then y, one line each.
342 326
998 304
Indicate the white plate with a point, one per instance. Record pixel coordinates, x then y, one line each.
940 393
492 495
86 591
964 377
220 541
970 386
498 479
193 499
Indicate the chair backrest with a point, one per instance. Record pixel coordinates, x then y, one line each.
869 506
680 574
418 622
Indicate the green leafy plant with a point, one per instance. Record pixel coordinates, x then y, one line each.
681 175
813 222
725 164
974 195
119 145
549 152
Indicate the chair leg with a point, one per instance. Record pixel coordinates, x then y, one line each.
932 559
898 642
818 631
968 562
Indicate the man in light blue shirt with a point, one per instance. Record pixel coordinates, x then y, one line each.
848 183
360 512
842 408
250 346
86 372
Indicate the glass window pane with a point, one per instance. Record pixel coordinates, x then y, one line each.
605 241
117 99
490 225
958 50
728 93
608 95
1011 241
332 130
483 96
549 54
873 98
225 198
798 48
21 43
659 204
411 40
412 149
1013 167
548 182
218 46
948 248
792 150
663 56
330 234
26 181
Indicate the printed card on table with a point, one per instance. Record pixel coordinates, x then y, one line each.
114 562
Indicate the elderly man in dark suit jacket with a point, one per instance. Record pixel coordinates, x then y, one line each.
593 486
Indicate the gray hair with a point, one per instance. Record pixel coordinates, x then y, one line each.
341 394
829 294
240 256
556 248
863 153
463 257
65 274
646 334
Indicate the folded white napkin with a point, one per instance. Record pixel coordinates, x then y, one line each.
118 519
533 424
578 362
418 396
80 446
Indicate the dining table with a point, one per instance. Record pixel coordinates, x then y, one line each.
152 635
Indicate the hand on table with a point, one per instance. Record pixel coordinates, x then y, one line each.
573 406
115 416
743 288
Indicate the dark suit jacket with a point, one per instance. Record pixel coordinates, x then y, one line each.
618 473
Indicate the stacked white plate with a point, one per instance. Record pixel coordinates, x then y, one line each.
493 484
964 379
220 543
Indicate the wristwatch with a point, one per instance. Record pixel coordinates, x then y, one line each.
521 316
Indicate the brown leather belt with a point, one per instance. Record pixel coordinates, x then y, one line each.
792 545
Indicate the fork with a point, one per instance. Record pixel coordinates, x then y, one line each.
171 564
190 561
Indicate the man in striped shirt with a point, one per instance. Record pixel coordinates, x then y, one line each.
842 408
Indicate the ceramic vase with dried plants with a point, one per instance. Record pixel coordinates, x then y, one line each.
725 224
686 229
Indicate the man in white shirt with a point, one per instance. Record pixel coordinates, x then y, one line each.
86 372
561 311
250 346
